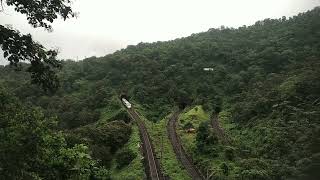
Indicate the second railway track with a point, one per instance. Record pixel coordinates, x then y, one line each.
183 157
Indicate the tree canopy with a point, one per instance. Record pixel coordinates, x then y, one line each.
18 47
263 81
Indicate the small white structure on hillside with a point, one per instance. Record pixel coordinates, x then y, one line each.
208 69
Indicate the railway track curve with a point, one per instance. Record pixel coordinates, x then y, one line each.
182 156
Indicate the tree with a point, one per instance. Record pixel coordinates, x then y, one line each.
31 148
205 139
18 47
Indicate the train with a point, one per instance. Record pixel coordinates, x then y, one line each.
126 103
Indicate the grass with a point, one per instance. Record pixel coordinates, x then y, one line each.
197 112
110 111
159 136
107 114
196 115
135 170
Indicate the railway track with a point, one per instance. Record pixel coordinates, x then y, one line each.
153 169
218 129
183 157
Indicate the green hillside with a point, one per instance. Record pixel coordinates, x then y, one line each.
263 81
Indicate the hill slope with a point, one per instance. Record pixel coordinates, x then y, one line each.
265 80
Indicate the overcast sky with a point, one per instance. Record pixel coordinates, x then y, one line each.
104 26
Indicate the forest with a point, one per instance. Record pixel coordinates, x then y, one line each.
263 85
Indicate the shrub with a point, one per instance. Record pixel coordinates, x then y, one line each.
188 125
124 157
225 168
229 153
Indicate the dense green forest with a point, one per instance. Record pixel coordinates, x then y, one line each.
263 81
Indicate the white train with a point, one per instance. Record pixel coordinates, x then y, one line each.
126 103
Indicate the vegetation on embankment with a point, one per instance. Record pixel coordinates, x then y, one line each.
190 118
264 78
135 168
214 158
202 145
163 148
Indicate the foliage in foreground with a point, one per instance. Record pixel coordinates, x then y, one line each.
32 149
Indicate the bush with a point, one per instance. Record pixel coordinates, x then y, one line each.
205 139
225 168
188 125
122 115
254 174
229 153
124 157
